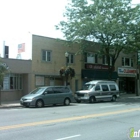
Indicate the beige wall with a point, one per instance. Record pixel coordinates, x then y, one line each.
58 49
11 95
18 65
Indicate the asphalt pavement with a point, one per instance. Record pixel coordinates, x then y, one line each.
123 96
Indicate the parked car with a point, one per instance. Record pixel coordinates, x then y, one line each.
98 90
48 95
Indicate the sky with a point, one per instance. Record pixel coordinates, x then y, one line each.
34 16
19 17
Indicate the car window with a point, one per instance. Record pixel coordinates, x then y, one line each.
97 88
88 86
112 87
49 90
58 90
38 91
61 89
105 88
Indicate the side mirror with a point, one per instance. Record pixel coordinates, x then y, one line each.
45 92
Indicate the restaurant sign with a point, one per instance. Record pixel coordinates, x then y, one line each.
127 71
96 66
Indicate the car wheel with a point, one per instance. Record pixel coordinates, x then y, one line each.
92 99
39 103
114 98
67 101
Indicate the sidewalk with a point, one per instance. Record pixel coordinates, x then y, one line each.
12 104
126 95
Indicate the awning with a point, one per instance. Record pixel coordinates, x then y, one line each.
98 74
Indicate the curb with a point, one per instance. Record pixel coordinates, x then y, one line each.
9 106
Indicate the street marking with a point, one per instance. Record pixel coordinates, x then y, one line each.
69 137
68 119
111 106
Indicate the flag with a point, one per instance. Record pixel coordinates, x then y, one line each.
21 47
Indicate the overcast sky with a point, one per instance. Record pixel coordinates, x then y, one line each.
34 16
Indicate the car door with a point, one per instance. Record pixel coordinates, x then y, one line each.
105 94
49 96
58 94
97 92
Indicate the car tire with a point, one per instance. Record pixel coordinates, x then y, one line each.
39 103
67 101
114 98
92 99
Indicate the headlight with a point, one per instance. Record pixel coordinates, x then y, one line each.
86 95
33 99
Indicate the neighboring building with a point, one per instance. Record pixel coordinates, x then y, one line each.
48 56
16 82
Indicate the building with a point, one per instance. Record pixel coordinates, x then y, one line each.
48 57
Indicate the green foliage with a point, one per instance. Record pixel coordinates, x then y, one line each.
114 24
3 70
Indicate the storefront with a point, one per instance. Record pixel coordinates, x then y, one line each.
97 72
127 79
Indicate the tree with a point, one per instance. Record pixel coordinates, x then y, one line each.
67 72
113 24
3 70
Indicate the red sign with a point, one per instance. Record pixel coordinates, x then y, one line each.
96 66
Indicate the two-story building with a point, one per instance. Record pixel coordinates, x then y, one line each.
48 57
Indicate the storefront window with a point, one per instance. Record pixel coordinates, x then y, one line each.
12 81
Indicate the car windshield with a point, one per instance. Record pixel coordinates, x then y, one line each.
37 91
88 86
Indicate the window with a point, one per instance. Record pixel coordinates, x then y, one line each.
46 55
127 62
112 87
49 90
60 89
12 81
97 88
91 58
105 88
70 59
88 86
40 80
105 60
6 55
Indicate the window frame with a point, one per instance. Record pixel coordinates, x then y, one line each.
111 89
91 55
70 59
47 57
13 82
124 62
106 86
104 60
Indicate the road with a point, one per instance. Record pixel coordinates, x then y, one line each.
84 121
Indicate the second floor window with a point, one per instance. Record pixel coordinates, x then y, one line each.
70 59
105 60
91 58
46 55
127 62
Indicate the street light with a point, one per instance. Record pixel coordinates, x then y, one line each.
66 55
66 75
